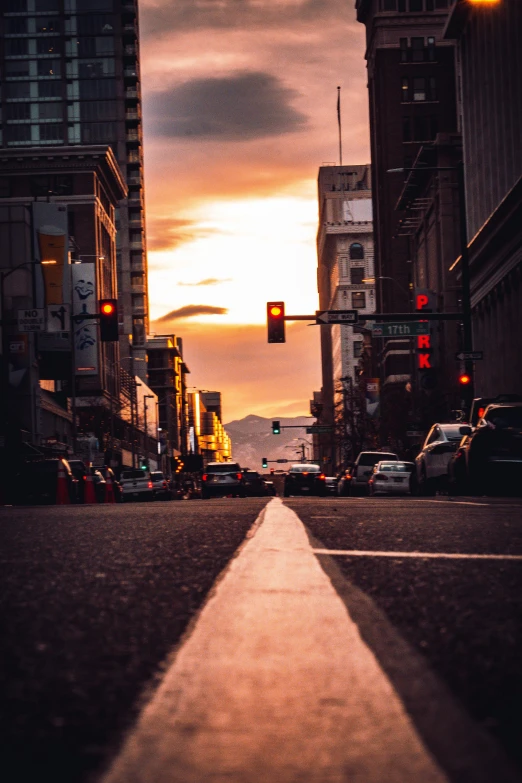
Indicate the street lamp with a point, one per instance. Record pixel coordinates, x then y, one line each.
464 261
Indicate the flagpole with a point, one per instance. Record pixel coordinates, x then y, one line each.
339 124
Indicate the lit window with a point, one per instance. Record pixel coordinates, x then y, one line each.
358 300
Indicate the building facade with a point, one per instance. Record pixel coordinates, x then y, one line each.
345 282
71 76
489 40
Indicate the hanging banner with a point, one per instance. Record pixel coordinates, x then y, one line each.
85 301
372 394
51 246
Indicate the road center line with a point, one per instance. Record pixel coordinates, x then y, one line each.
274 683
421 555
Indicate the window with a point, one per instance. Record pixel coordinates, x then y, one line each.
98 110
416 5
96 67
49 67
406 129
49 89
18 90
358 300
419 88
356 250
93 5
16 6
441 3
357 349
93 89
95 24
388 5
41 6
18 111
48 45
403 42
432 89
357 275
94 132
405 89
50 111
5 187
51 132
16 68
430 5
46 25
431 50
16 134
15 26
15 47
417 50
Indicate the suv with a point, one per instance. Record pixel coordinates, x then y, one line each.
136 485
222 478
432 462
362 469
305 479
160 486
494 451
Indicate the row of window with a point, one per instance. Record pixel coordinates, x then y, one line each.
418 88
90 132
417 50
358 299
87 111
90 24
412 6
81 47
421 128
83 68
54 6
94 89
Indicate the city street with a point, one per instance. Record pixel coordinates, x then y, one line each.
379 642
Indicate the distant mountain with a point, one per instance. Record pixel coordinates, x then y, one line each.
252 439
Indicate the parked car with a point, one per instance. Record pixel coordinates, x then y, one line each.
160 486
305 479
344 482
331 485
37 482
254 484
431 463
136 485
270 487
363 467
458 483
221 479
494 452
391 478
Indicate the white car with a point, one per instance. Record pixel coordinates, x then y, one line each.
136 485
391 478
431 463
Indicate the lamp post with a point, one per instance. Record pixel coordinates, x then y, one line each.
145 398
464 263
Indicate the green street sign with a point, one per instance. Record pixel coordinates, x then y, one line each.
317 429
407 329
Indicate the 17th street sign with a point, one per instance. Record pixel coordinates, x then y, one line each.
407 329
336 316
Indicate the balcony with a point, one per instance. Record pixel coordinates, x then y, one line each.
136 223
134 156
136 245
134 179
132 114
130 73
130 50
132 94
138 289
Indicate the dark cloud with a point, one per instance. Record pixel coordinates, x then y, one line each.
158 17
240 107
166 233
209 281
190 310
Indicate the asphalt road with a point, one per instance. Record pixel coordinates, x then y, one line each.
94 599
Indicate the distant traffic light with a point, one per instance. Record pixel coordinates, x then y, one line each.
264 462
108 320
275 320
464 380
276 428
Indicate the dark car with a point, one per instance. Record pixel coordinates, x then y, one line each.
37 483
305 479
160 486
331 485
221 479
255 485
494 452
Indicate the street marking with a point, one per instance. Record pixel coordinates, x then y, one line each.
274 683
421 555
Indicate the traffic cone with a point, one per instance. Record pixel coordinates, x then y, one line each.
109 491
62 487
90 494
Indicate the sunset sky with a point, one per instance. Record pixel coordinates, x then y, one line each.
239 100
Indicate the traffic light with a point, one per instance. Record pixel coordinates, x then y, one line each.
464 380
275 320
276 428
108 320
264 462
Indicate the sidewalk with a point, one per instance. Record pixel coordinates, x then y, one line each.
274 684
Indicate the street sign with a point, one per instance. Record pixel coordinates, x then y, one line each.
467 356
316 429
31 320
282 460
336 316
58 318
406 329
414 433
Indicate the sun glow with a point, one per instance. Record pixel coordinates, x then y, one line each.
260 250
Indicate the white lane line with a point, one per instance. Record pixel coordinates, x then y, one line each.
430 555
275 684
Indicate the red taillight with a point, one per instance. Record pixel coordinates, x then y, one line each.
321 476
239 476
164 485
305 473
381 477
204 477
85 478
150 485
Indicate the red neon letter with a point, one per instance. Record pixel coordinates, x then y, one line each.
422 301
424 361
424 341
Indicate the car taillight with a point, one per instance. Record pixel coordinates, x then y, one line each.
164 484
85 478
239 476
150 485
305 473
381 477
204 477
321 476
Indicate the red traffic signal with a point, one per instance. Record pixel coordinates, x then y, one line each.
275 320
464 379
108 320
